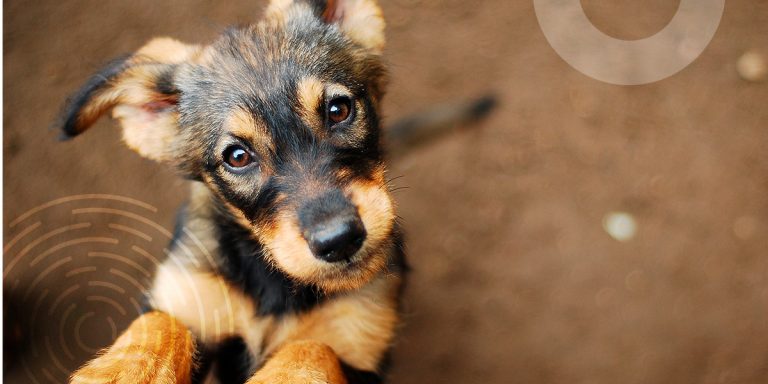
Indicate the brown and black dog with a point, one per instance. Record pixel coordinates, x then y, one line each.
287 264
277 124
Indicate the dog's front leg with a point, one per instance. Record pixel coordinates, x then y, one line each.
301 362
156 348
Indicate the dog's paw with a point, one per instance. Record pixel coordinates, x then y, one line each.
303 362
132 366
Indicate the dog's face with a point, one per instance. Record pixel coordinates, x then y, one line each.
280 121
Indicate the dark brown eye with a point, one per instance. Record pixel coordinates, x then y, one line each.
339 110
237 157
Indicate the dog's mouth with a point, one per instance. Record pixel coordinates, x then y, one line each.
337 241
354 272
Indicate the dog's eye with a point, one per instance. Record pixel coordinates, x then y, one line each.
237 157
339 109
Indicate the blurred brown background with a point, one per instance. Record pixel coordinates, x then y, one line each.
514 278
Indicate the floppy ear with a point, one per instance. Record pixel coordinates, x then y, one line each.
139 91
361 20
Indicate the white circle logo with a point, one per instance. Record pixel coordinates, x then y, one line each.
629 62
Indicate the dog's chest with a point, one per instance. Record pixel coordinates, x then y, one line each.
209 306
358 326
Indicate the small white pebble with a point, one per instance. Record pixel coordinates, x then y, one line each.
620 225
752 66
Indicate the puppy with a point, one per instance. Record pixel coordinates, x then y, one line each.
287 263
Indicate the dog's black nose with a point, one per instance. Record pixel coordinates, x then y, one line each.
338 239
332 227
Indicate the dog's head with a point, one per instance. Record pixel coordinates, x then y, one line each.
280 120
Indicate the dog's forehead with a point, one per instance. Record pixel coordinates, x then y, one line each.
269 53
276 72
267 64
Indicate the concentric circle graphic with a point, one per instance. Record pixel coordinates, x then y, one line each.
76 270
625 62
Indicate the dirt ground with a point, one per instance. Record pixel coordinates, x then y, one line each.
514 278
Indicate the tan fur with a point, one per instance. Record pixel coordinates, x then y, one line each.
243 124
364 23
199 232
276 9
149 134
291 253
361 20
146 131
358 326
303 362
132 98
375 208
167 50
211 308
310 95
156 348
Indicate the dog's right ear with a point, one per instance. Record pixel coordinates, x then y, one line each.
361 20
140 92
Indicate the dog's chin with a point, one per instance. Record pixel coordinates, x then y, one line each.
353 274
287 250
342 276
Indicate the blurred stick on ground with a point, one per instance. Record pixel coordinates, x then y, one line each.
422 127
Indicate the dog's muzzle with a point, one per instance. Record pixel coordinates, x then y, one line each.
332 227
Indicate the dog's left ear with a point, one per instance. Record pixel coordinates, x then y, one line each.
139 91
361 20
